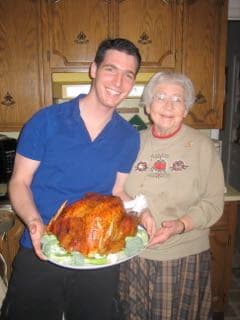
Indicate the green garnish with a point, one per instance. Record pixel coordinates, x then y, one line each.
96 261
54 252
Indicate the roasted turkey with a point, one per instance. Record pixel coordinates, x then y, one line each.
95 224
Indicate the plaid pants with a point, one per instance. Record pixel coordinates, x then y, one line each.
166 290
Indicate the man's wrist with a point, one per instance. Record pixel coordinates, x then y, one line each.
33 220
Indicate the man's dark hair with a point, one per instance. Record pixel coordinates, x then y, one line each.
119 44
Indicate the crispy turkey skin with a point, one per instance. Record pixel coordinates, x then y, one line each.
95 224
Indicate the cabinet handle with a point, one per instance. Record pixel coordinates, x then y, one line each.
191 1
144 39
200 98
215 298
229 242
212 256
164 1
81 38
4 236
220 3
8 100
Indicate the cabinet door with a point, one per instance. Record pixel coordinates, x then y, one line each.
155 27
20 56
222 238
75 30
4 249
219 241
204 47
13 238
9 243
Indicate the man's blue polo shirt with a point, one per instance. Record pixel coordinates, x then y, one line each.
70 163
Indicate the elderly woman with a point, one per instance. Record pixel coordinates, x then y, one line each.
180 173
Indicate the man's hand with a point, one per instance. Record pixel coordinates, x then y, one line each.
36 229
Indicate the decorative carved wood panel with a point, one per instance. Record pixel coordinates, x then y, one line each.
219 247
222 237
204 48
155 27
75 30
20 60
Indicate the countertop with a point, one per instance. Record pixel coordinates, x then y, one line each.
231 194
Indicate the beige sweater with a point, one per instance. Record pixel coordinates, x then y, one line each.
179 175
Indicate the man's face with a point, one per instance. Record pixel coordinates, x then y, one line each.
114 77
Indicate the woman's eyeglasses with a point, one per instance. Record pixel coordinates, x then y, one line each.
163 98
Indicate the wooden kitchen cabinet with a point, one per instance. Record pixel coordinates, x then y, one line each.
77 27
9 243
203 53
180 35
156 29
5 253
50 36
222 248
21 90
75 30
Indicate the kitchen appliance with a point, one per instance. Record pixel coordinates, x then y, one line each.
7 156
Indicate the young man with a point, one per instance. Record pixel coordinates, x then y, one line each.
63 152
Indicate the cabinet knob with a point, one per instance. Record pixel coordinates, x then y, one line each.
200 98
144 38
8 100
81 38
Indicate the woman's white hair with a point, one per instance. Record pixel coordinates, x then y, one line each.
169 77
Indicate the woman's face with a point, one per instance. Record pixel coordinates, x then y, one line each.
167 108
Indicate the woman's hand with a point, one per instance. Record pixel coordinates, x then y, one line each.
36 229
148 222
168 229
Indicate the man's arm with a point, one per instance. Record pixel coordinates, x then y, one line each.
118 188
22 199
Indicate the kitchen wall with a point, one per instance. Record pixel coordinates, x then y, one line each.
231 130
230 134
233 10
